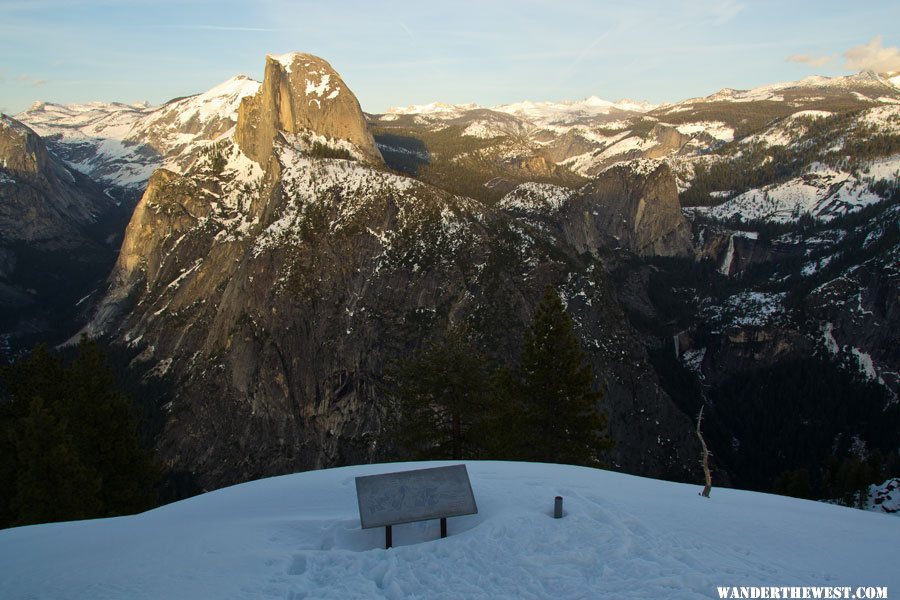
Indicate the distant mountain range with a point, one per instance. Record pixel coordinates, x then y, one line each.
286 247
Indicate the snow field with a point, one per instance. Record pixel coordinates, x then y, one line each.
821 192
298 536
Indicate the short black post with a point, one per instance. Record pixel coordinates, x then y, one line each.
557 507
443 527
388 537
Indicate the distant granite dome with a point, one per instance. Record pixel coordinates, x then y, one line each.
301 92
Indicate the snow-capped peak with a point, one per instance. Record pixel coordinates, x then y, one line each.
286 60
124 143
594 101
220 101
237 84
431 108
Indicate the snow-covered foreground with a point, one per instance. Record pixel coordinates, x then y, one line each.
298 536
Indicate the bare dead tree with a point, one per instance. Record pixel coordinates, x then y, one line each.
704 457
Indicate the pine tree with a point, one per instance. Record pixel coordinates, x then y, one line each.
24 386
553 384
52 482
107 433
69 446
439 400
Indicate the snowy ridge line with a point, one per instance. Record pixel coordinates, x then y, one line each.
545 112
123 144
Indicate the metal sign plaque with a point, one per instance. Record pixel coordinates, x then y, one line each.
407 496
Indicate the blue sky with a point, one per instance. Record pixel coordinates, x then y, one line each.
405 52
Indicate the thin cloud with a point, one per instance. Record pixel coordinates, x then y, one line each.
723 12
30 81
813 61
222 28
27 6
873 57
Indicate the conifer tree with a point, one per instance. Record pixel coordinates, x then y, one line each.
559 420
69 447
107 433
439 400
52 482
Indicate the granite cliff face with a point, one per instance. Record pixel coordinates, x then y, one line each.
40 199
635 206
301 92
275 265
52 238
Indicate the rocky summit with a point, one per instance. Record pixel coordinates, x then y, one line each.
36 184
301 93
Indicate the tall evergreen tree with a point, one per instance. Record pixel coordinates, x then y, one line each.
69 446
439 400
52 482
108 437
559 419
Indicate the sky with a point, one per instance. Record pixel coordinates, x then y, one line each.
395 53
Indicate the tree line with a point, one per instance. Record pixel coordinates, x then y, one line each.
808 429
838 141
450 400
69 443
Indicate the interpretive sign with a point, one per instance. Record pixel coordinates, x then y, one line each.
408 496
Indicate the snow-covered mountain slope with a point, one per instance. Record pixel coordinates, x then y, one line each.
298 536
570 112
582 138
775 91
810 163
819 191
123 144
540 113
